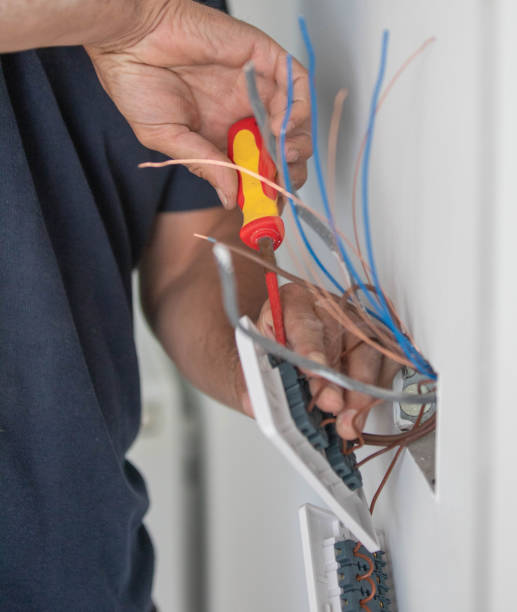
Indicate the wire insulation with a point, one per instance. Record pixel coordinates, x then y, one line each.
226 272
287 179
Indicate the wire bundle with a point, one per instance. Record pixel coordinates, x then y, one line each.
374 323
375 296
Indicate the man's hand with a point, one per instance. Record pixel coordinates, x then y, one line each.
314 333
180 84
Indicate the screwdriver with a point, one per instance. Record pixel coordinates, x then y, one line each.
262 228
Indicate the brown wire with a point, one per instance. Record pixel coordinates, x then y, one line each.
328 421
376 454
366 576
385 479
393 462
330 302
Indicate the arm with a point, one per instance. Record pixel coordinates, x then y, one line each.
181 298
27 24
174 69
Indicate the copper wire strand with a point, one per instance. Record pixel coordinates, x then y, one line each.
260 177
393 462
331 171
381 101
385 479
414 434
376 454
335 121
328 421
367 559
366 576
364 601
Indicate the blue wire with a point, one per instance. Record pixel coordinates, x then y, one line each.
321 182
287 178
420 364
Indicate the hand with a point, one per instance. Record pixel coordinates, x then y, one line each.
314 333
180 84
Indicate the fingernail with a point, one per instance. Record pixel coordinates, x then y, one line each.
290 125
223 198
292 155
345 424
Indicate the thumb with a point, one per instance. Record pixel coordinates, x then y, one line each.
178 142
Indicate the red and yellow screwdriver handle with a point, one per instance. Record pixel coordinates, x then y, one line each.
257 200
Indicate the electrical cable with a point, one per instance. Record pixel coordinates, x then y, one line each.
317 164
346 322
419 363
226 272
393 462
287 179
357 165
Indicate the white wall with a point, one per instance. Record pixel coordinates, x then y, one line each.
429 180
443 213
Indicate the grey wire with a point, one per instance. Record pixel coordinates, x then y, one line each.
259 111
226 273
261 117
318 226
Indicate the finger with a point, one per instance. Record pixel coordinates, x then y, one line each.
389 370
301 107
364 364
179 142
330 396
265 323
307 335
298 174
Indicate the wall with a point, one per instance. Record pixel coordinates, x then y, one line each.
442 189
430 174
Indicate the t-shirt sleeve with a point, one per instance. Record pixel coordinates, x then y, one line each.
185 191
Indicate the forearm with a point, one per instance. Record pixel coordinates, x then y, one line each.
186 313
195 332
28 24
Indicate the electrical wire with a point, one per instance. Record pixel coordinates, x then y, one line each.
226 273
393 462
419 363
317 163
261 118
346 322
357 166
308 215
287 179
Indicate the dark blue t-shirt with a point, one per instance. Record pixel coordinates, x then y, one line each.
75 213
